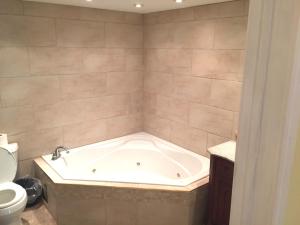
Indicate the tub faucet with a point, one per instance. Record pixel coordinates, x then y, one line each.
56 154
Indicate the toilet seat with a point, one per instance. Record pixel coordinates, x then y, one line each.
13 198
16 194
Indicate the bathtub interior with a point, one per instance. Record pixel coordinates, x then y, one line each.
137 158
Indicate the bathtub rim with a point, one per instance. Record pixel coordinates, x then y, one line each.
56 178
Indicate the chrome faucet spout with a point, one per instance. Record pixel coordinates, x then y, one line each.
57 152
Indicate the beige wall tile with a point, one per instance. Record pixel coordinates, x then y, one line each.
213 140
126 212
123 125
36 143
228 76
83 133
12 31
59 114
190 138
83 86
111 106
51 10
150 18
157 60
183 71
134 18
74 33
55 61
29 91
226 94
178 15
40 31
15 120
204 63
174 213
92 14
179 59
74 97
25 168
136 102
149 103
157 126
134 60
24 31
11 7
122 35
76 111
168 60
103 60
157 36
210 119
51 188
105 15
114 16
124 82
215 52
226 9
185 14
192 34
230 33
231 61
166 16
67 207
120 194
159 83
14 61
192 88
66 113
110 16
207 62
172 109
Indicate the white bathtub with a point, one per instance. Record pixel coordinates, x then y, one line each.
136 158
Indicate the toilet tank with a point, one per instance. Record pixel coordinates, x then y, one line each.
13 148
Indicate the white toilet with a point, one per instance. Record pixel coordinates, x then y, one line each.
13 197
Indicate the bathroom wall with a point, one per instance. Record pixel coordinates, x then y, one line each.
68 75
194 61
74 76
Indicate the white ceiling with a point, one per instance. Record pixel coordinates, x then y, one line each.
128 5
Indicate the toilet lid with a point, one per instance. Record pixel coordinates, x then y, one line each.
8 166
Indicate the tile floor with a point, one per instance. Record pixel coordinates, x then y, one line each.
38 215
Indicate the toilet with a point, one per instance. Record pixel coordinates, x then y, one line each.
13 197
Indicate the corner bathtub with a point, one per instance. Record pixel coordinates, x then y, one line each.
138 158
137 179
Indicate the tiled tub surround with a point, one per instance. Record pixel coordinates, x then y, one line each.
194 61
97 203
68 75
75 76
